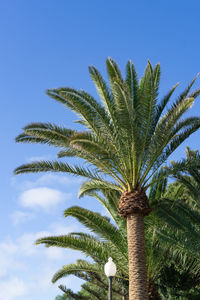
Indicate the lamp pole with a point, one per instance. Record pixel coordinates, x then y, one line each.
110 271
110 288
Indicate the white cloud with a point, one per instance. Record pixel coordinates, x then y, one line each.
13 252
42 197
8 265
35 264
21 217
12 288
25 243
8 261
54 254
8 246
24 246
62 179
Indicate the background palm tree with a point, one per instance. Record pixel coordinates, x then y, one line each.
187 175
95 287
127 138
88 291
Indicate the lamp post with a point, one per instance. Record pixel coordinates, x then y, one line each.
110 271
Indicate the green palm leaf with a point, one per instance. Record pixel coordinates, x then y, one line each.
85 243
99 225
55 166
76 269
46 133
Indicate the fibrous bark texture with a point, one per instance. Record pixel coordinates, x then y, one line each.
133 202
136 254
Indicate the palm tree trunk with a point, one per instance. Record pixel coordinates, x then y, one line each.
136 254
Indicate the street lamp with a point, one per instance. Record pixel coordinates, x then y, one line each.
110 271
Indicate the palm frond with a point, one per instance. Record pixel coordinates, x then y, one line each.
69 294
96 185
114 72
162 105
46 133
103 91
55 166
163 135
110 202
185 93
87 244
132 84
99 153
176 215
173 145
100 225
75 101
76 269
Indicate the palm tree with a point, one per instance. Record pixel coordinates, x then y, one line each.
95 287
88 291
187 174
175 264
127 139
172 245
180 235
109 239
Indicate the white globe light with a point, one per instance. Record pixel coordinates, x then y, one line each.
110 268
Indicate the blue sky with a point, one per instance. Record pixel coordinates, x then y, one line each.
47 44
